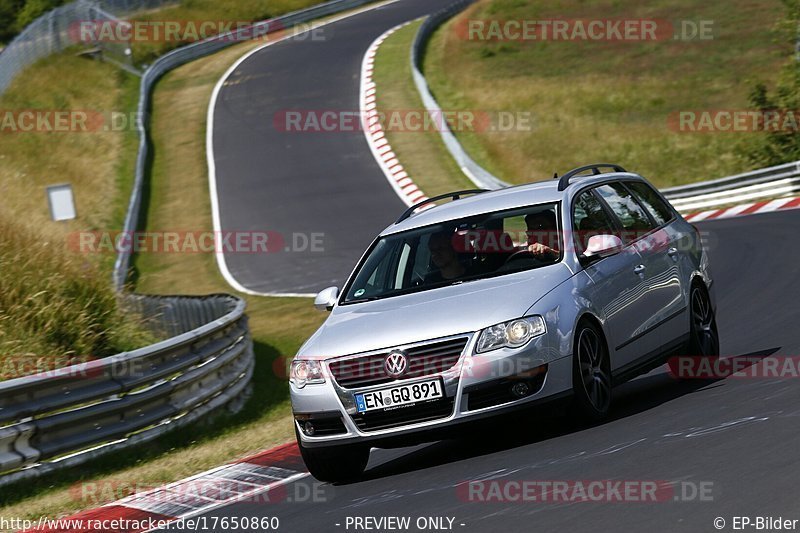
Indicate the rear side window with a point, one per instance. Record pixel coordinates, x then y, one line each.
589 218
651 200
630 214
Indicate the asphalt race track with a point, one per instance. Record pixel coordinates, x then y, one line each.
736 436
298 184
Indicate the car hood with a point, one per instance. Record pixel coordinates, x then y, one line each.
430 314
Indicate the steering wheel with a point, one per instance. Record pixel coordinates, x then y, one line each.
519 254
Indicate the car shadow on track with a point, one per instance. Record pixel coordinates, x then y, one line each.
506 432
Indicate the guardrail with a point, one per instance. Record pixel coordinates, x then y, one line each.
476 173
177 58
765 183
769 182
64 417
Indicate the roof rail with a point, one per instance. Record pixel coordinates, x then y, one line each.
595 168
454 195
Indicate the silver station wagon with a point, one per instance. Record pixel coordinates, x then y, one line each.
499 300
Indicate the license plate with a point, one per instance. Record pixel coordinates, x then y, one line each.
401 395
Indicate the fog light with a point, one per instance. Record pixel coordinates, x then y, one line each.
308 429
520 389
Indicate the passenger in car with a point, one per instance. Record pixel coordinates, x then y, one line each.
542 227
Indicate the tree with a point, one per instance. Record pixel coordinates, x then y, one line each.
8 18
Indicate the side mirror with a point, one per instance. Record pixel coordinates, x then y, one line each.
326 299
601 246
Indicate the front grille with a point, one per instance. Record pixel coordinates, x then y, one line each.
401 416
423 360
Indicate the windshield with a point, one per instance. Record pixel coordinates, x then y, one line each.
456 251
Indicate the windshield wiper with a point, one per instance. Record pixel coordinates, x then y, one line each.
360 300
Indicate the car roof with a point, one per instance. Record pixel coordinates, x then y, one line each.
539 192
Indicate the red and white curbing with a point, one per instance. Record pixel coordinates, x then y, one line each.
398 178
766 206
258 478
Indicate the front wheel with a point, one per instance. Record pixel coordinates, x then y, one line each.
336 463
591 375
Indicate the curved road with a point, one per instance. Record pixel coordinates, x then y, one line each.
303 185
736 436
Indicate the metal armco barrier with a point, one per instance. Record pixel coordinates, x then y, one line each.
76 413
476 173
179 57
769 182
64 417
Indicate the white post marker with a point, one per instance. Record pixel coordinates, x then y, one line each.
61 202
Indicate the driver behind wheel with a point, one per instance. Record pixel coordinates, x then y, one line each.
444 258
542 229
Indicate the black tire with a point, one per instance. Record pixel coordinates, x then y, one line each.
335 464
591 373
703 334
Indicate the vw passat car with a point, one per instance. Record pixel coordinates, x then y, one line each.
499 300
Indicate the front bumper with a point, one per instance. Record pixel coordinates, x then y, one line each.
486 375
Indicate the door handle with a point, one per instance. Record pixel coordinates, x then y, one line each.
639 269
672 251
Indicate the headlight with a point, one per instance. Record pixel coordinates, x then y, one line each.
511 334
306 371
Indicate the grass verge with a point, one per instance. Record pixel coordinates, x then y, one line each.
615 106
422 152
177 198
57 307
191 15
97 159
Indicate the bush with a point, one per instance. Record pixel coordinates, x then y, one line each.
775 148
8 18
16 14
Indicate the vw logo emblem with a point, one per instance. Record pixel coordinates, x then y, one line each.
396 364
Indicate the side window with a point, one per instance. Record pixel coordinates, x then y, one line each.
631 215
651 201
380 272
589 218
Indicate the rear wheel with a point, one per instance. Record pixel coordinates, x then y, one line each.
704 338
335 463
591 375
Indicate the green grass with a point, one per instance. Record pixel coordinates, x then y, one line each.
54 307
422 153
218 11
177 199
57 306
98 163
608 101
